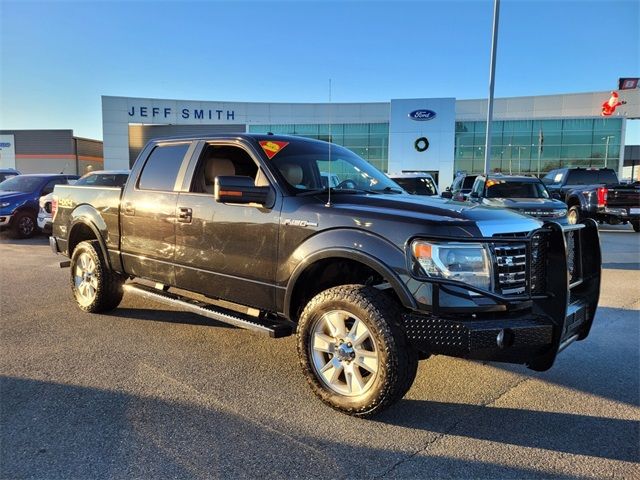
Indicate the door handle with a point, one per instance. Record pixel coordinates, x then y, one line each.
129 209
185 215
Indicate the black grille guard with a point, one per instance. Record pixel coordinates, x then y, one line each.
563 282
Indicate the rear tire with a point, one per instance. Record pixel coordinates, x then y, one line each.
636 225
573 215
24 225
96 288
354 351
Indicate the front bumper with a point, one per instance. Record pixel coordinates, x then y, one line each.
5 220
557 307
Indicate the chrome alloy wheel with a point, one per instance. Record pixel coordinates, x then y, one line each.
572 217
85 280
345 356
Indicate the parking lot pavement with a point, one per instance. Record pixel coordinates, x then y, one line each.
151 392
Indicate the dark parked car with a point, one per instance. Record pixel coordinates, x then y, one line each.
526 195
6 173
371 279
103 178
460 188
19 198
596 193
416 183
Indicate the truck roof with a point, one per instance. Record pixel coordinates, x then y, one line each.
238 135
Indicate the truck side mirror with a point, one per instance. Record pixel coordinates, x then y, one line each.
447 194
556 196
239 189
474 196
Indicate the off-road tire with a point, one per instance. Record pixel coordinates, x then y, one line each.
18 225
636 226
382 316
574 210
108 292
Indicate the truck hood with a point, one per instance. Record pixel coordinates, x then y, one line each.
525 203
437 210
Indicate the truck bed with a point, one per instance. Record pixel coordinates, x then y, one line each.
106 200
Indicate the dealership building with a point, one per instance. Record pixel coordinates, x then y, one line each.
438 135
49 151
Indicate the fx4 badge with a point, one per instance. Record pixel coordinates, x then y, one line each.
300 223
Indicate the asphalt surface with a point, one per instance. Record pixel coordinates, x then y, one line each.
147 392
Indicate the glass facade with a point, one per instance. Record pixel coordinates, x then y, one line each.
368 140
518 144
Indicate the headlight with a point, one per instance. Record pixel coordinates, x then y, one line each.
5 204
465 262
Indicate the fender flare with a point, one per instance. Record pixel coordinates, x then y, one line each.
351 253
85 215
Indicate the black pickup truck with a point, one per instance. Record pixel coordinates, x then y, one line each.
371 278
596 193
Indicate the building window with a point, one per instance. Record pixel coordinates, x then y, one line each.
520 146
368 140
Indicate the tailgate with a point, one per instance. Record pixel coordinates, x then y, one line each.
624 196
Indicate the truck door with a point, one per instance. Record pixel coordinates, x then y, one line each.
226 251
148 213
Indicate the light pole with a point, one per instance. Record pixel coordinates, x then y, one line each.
606 149
492 74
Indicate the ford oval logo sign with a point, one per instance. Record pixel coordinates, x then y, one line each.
422 115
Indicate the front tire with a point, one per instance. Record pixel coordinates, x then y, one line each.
354 351
96 288
24 225
636 225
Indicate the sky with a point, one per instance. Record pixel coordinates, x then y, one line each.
58 58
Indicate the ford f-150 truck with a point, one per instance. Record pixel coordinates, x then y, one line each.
596 193
241 228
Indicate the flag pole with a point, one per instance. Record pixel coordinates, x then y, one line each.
492 74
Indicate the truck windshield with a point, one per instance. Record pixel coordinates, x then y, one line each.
308 166
20 184
504 189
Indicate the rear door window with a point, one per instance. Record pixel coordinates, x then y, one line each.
607 176
161 168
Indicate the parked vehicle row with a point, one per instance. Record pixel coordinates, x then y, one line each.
371 279
596 193
26 200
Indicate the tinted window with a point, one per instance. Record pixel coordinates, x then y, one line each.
607 176
103 180
504 189
468 181
21 184
161 169
417 185
582 177
48 188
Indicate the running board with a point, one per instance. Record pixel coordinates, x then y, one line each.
271 327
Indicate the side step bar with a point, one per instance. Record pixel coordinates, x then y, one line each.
273 328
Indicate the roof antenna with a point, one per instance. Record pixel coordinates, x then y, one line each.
328 204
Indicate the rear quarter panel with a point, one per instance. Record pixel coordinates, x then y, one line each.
96 206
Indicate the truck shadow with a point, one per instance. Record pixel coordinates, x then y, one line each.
53 430
558 432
